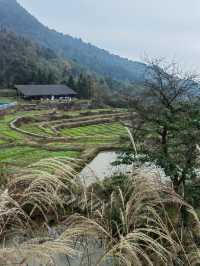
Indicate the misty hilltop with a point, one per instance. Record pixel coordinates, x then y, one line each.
15 18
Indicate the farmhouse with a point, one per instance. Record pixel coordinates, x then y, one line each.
36 92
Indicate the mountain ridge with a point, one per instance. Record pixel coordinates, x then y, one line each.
14 17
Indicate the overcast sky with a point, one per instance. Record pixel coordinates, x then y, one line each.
130 28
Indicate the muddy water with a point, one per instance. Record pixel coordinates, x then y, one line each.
101 167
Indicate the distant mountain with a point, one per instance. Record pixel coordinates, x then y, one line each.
22 61
16 18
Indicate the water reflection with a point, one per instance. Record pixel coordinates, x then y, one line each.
101 167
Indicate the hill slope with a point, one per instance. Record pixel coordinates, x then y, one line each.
17 19
22 61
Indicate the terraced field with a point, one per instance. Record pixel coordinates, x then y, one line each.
36 129
24 155
26 137
109 130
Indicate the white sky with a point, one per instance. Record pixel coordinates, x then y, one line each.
130 28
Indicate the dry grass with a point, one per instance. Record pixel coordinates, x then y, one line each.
134 224
41 190
11 213
43 253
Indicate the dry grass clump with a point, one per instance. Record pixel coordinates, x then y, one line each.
139 223
134 227
37 252
41 191
11 213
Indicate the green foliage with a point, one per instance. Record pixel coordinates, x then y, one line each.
24 155
114 183
71 82
83 86
88 56
8 93
99 133
22 61
17 148
192 192
168 119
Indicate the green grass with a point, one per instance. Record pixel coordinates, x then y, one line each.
7 100
110 130
33 128
3 141
6 131
22 156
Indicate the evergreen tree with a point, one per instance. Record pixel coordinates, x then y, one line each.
71 82
83 86
51 79
22 61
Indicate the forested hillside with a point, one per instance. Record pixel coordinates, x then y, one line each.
17 19
22 61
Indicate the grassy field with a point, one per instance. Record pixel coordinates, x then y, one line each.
96 134
21 149
24 155
7 132
110 130
36 129
7 100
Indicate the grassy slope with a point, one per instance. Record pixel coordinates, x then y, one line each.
23 152
7 99
24 155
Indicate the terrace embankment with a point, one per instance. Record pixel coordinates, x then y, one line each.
49 127
29 136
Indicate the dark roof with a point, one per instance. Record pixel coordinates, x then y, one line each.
45 90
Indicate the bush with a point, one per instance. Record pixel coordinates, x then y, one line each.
8 93
192 194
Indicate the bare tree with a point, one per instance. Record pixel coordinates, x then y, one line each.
168 109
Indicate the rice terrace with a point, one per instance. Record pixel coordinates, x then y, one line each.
29 136
99 152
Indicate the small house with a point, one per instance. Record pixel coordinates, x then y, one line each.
38 92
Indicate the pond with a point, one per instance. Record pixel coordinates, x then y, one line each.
101 167
4 105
